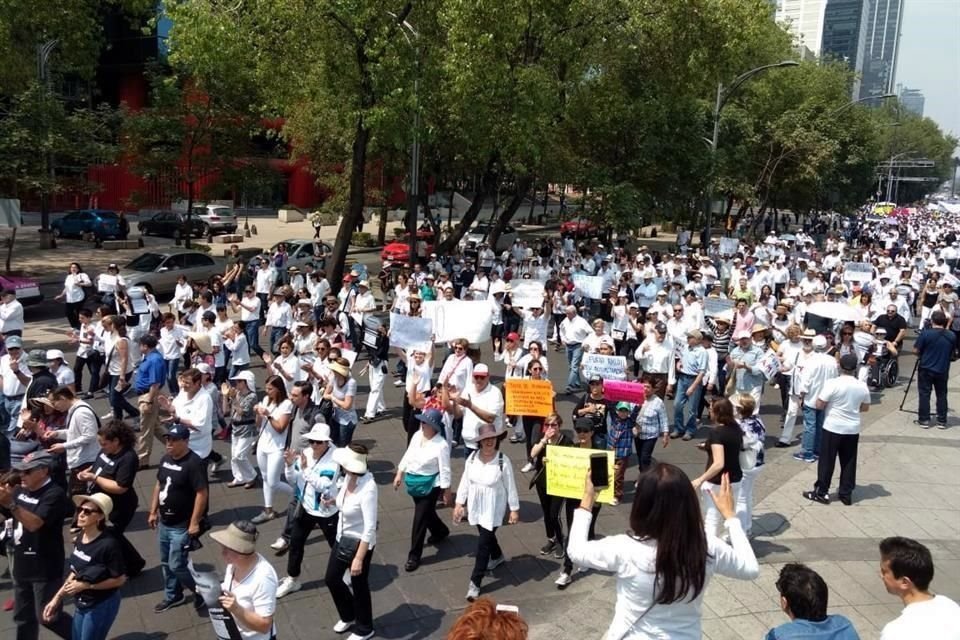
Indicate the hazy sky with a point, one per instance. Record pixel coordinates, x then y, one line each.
930 58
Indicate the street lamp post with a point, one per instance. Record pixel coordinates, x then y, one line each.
723 95
43 57
414 187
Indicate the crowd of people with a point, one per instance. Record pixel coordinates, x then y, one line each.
291 371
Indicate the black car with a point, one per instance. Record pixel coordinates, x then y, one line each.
170 224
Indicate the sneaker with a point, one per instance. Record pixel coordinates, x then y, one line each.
288 585
199 604
781 444
816 497
398 383
941 425
107 416
360 636
280 544
559 552
473 592
802 457
547 548
493 563
615 502
169 604
527 468
924 424
263 516
687 437
342 627
675 434
563 580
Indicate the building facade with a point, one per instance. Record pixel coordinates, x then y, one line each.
804 20
845 36
911 99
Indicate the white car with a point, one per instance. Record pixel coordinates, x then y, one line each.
216 218
480 231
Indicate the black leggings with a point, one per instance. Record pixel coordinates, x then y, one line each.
551 506
302 526
532 428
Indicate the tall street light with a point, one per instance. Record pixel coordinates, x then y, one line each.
853 103
43 58
723 95
412 191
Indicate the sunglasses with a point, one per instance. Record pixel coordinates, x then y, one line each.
553 423
87 511
480 377
536 368
458 348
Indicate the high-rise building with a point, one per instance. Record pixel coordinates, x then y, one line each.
845 36
804 20
911 99
882 47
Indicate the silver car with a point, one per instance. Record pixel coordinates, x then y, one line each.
481 231
299 253
216 218
160 271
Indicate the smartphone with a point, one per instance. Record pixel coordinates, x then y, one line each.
599 475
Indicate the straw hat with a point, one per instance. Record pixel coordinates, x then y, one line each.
336 367
102 500
236 539
350 460
202 341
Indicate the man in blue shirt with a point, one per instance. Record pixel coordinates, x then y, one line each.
803 597
151 376
934 347
691 369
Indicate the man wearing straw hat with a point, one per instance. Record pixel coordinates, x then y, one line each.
249 588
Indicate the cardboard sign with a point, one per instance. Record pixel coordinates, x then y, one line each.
406 332
607 367
617 390
452 319
728 246
526 293
567 469
588 286
529 397
715 306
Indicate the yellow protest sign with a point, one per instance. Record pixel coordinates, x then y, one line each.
567 468
529 397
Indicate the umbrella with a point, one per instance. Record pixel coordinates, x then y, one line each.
788 237
836 311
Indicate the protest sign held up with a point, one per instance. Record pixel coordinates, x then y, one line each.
407 331
567 469
529 397
616 390
607 367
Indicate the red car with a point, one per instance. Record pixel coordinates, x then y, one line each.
578 227
399 250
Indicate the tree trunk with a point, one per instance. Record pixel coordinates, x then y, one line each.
13 240
487 184
523 186
358 166
382 227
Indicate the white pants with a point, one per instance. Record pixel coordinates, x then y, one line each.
745 498
271 468
790 419
863 373
375 403
240 463
711 517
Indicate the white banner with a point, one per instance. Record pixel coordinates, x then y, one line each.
716 306
452 319
728 246
526 293
588 286
406 332
607 367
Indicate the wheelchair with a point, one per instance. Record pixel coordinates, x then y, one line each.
884 371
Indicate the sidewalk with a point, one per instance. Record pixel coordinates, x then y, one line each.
907 484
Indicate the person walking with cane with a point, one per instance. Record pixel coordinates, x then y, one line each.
934 348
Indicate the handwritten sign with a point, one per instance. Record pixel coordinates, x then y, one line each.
588 286
769 365
529 397
567 468
607 367
526 293
616 390
406 332
728 246
715 306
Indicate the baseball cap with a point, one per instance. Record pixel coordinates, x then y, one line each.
246 376
481 370
54 354
623 406
35 459
13 342
513 335
203 367
819 342
178 431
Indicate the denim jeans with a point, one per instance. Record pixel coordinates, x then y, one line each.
927 383
94 622
173 366
10 413
275 334
680 403
173 561
345 435
574 356
252 330
812 426
119 402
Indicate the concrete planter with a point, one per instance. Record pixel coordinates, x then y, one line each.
287 216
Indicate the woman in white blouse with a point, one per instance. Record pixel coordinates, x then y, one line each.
665 563
286 365
73 293
486 489
458 367
182 294
425 469
356 539
342 391
120 362
274 413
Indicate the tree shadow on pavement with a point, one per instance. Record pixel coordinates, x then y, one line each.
425 623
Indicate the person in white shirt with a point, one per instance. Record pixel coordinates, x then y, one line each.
11 314
264 281
73 294
249 307
656 355
487 488
906 569
249 588
356 540
842 399
535 322
478 404
574 329
425 470
235 339
278 322
63 373
108 283
193 408
363 305
645 606
817 369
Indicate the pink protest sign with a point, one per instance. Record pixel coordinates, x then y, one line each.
615 390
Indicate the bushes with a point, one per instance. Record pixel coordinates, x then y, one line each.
363 239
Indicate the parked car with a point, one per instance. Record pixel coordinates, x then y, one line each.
480 231
216 218
299 253
159 271
579 227
399 250
104 225
27 289
170 224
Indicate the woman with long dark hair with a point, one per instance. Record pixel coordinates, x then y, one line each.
73 293
723 445
665 562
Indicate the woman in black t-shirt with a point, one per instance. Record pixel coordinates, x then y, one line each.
723 445
113 473
96 572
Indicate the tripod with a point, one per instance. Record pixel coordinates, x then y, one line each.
916 365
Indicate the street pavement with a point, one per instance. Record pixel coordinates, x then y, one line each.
907 485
